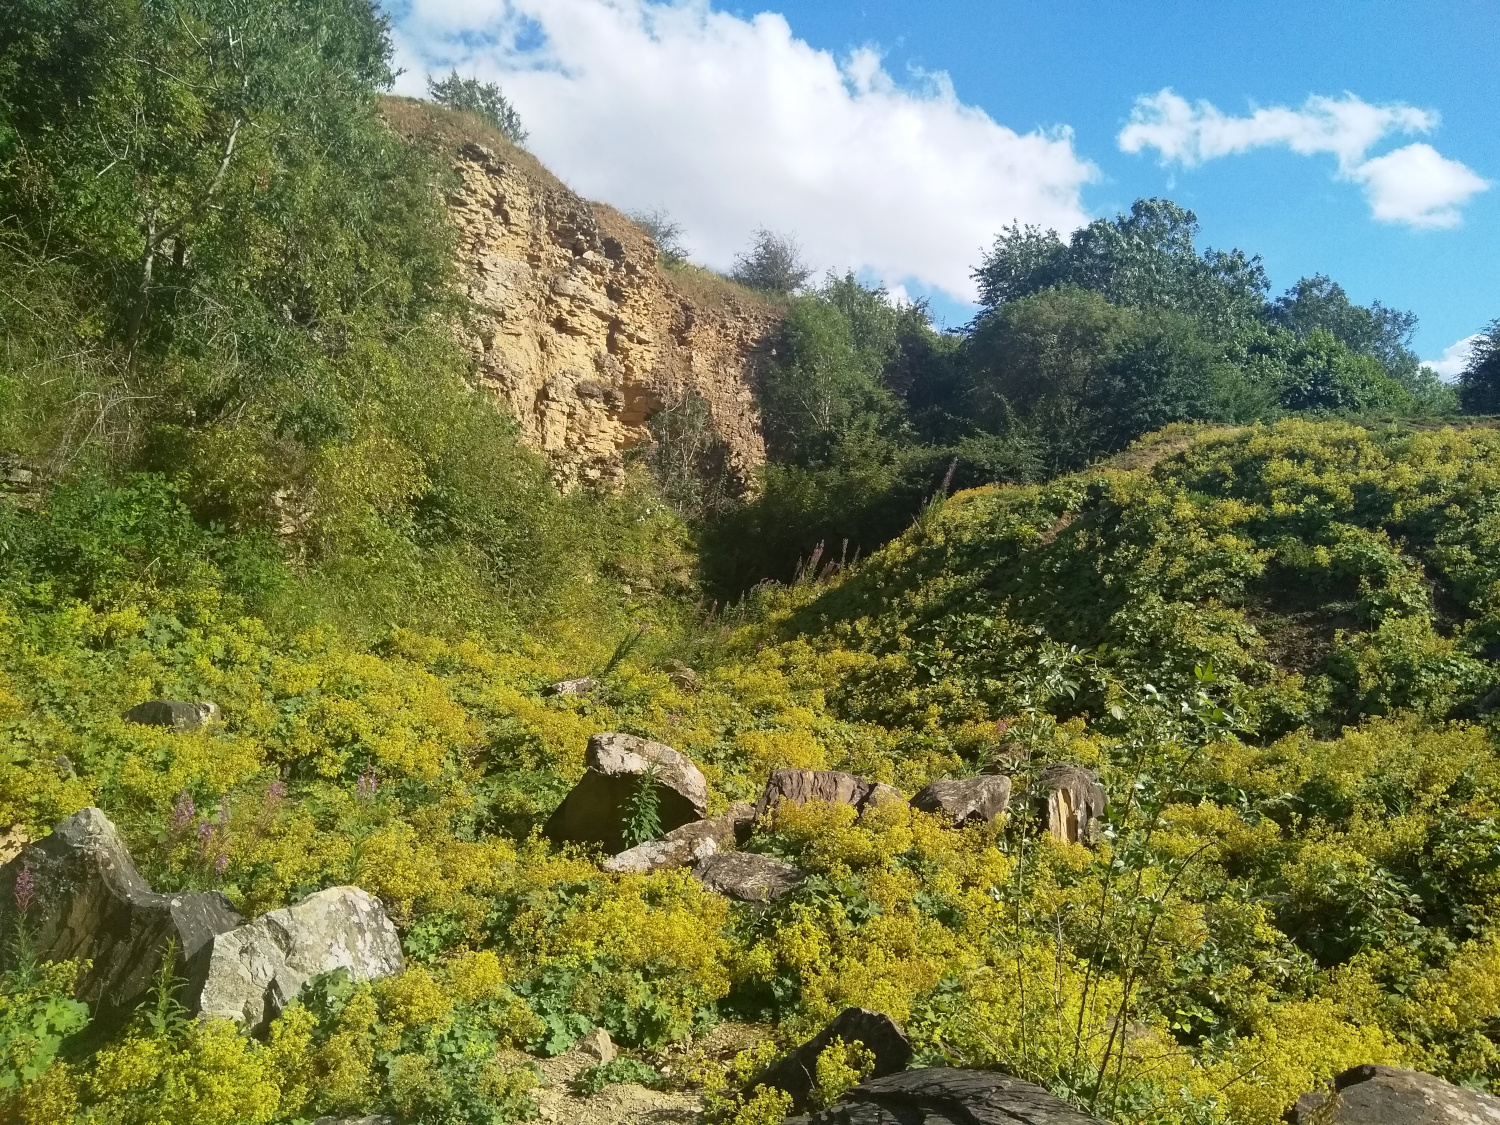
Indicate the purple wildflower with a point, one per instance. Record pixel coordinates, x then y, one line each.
183 812
25 889
367 785
276 793
223 810
221 865
205 834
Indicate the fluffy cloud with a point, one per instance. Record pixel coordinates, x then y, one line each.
1414 185
732 124
1418 186
1454 359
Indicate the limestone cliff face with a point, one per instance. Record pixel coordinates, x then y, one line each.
578 332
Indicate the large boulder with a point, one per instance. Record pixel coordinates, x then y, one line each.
254 971
688 844
966 800
89 903
1386 1095
1071 803
747 877
832 787
173 713
946 1096
797 1073
596 810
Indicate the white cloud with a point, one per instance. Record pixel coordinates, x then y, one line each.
1418 186
1414 185
1454 359
732 124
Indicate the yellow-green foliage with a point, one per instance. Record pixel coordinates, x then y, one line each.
1299 872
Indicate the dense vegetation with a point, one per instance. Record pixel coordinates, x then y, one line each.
1078 349
249 472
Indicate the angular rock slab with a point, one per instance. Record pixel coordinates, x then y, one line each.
256 970
688 844
747 877
1071 802
967 800
595 811
945 1096
797 1072
173 713
90 903
579 685
1387 1095
832 787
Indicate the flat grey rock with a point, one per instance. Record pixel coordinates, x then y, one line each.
685 845
1388 1095
90 903
948 1096
966 800
832 787
579 685
747 877
796 1072
173 713
596 810
254 971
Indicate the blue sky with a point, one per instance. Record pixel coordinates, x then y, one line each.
896 137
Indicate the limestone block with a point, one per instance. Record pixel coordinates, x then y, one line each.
256 970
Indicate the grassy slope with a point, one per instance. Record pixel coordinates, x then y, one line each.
1317 903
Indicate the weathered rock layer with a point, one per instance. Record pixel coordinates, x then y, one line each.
578 332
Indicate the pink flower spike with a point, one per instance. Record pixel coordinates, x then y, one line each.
25 889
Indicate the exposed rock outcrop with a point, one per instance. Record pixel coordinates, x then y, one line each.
966 800
596 809
256 970
747 877
682 846
944 1096
797 1072
829 786
1386 1095
88 902
1071 802
578 685
575 328
173 713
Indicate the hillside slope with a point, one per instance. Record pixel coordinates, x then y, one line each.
1261 910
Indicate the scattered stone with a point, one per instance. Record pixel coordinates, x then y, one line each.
682 846
355 1121
681 675
256 970
1386 1095
1071 802
942 1096
173 713
969 800
598 1046
559 1102
829 786
596 810
580 685
88 902
747 877
797 1072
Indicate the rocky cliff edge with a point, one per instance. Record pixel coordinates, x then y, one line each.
572 323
